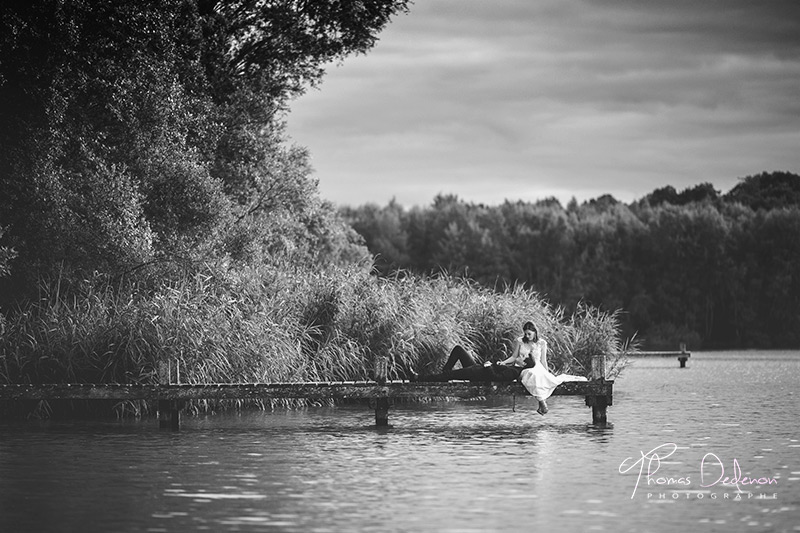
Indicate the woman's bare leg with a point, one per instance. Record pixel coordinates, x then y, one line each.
542 410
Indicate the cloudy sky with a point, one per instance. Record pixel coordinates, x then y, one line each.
526 99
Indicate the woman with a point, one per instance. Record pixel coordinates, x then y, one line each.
526 346
537 378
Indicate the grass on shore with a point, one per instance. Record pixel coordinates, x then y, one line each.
284 324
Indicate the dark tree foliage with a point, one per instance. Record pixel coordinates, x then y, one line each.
668 195
6 255
145 132
664 195
700 268
384 232
767 190
705 192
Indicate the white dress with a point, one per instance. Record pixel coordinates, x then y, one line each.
538 380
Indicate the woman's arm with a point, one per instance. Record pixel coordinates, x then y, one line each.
544 355
513 357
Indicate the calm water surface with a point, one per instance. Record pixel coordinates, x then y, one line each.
456 467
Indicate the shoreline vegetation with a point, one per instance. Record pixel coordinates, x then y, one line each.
283 323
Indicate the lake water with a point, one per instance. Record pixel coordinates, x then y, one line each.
472 466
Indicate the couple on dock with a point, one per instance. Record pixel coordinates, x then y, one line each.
527 363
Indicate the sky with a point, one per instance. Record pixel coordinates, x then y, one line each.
495 100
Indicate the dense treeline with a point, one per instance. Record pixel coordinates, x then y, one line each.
698 267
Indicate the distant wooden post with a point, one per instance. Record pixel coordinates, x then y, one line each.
684 356
598 403
169 414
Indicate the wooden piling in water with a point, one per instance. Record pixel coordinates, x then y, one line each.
599 405
382 412
599 402
684 356
169 410
381 373
169 414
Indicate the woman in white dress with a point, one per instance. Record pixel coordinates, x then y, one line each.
530 351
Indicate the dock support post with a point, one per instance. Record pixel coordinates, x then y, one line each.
599 410
381 404
381 370
169 413
382 412
598 403
598 367
683 357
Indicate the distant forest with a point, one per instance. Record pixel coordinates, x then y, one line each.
709 269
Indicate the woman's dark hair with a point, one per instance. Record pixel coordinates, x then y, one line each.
528 326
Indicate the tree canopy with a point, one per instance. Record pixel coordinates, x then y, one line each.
142 132
767 190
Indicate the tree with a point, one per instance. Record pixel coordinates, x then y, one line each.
384 232
664 195
152 131
771 281
6 256
698 193
668 195
767 190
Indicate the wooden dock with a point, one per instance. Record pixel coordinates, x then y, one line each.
172 396
682 355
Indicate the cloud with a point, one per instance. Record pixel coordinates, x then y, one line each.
522 100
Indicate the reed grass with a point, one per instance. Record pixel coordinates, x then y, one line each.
283 324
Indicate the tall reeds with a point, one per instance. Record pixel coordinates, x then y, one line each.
283 324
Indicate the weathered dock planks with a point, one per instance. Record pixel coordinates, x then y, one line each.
265 391
171 396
